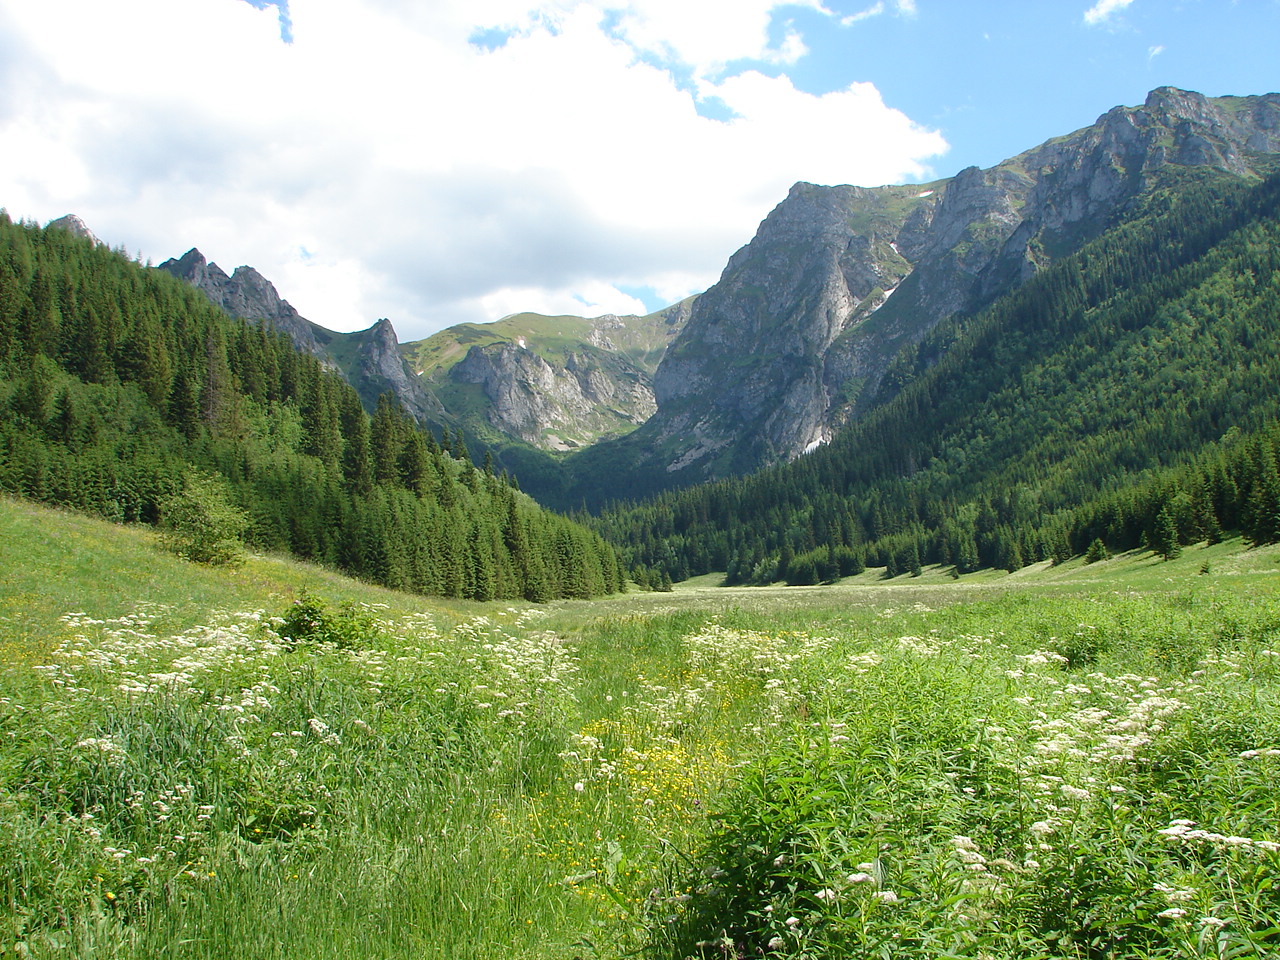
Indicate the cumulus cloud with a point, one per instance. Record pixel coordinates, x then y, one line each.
384 164
1103 10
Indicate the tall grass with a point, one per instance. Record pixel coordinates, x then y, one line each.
1073 767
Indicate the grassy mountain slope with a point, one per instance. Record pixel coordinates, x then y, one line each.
641 339
800 331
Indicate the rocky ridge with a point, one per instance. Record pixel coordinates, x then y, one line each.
798 333
557 383
369 359
74 226
245 294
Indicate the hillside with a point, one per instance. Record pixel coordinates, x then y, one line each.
798 335
128 394
552 383
1123 395
368 359
555 383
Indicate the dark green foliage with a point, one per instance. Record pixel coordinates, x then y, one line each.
1097 551
310 620
116 382
1164 536
1126 393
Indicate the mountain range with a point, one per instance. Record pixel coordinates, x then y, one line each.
800 335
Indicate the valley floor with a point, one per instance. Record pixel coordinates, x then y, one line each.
1077 761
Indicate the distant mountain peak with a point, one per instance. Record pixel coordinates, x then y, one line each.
246 293
74 226
370 360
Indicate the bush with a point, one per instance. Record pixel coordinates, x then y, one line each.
201 524
309 620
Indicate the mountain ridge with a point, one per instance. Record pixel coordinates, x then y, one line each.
369 359
839 279
555 383
802 333
1122 398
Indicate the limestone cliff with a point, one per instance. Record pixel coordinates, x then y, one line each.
246 294
74 226
797 334
560 407
557 383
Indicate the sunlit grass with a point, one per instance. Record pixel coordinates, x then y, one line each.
1080 761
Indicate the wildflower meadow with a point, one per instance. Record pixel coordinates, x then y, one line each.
1083 765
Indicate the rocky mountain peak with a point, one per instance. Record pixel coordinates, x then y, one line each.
371 361
798 333
246 294
74 226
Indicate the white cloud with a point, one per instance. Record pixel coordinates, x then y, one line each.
872 11
381 165
1103 10
905 8
1153 52
705 34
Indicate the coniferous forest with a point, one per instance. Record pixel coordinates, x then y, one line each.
117 382
1124 397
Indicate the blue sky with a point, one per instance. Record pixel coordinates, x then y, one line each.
998 77
459 160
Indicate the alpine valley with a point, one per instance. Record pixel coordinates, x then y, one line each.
877 358
954 510
801 334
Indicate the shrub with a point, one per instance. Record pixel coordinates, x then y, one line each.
201 524
309 620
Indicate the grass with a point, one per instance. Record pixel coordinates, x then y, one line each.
1077 761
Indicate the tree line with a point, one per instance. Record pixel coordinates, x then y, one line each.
116 381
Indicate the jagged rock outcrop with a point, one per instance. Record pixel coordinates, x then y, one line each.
595 392
799 331
74 226
246 294
558 383
369 359
379 366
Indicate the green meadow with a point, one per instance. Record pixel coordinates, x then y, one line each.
273 761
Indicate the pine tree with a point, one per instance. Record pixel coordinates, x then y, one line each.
1163 536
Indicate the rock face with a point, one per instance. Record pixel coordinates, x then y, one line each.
374 365
594 393
246 294
369 359
74 226
797 335
558 383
